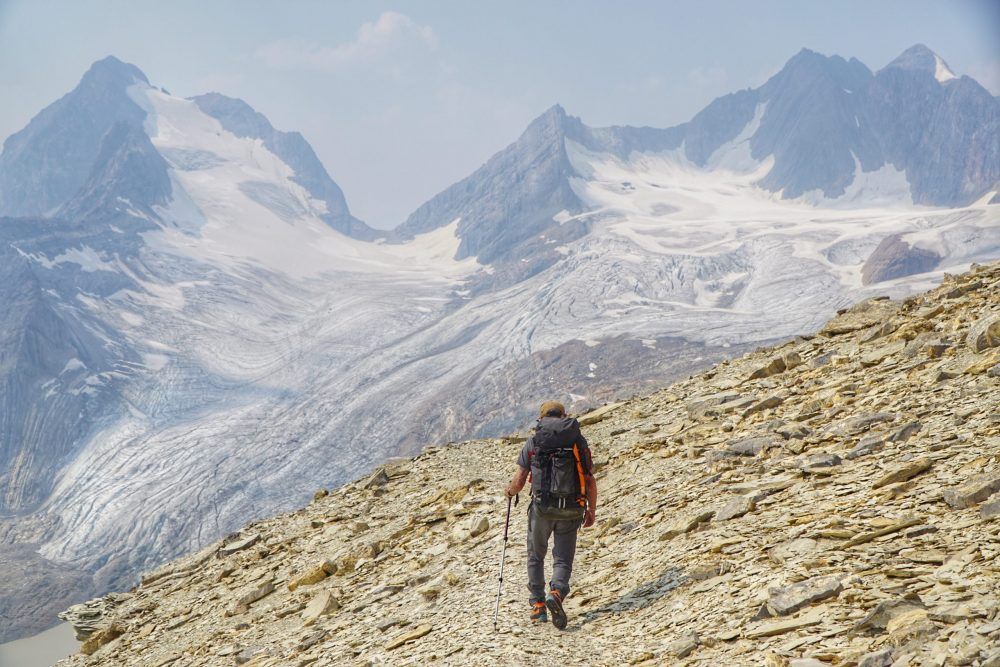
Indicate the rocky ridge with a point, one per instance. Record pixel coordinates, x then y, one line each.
831 501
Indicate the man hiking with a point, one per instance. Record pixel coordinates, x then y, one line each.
563 497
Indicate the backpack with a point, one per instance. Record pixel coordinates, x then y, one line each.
557 480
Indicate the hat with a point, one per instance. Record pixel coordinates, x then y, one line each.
552 409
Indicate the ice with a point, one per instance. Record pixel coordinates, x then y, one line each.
941 70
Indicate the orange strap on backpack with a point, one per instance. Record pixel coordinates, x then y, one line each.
579 471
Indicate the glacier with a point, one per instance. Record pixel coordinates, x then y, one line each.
245 405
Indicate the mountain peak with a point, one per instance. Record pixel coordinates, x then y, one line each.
554 116
815 63
112 71
555 111
46 163
919 58
808 68
553 124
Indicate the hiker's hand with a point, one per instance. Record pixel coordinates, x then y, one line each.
509 492
589 517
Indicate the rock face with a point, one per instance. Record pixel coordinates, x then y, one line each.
497 207
814 558
895 258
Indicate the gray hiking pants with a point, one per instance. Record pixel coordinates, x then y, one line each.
563 533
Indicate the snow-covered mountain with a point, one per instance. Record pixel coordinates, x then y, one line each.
827 131
196 331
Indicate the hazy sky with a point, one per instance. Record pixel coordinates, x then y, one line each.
402 99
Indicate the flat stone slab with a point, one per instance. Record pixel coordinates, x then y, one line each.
736 507
973 492
781 627
324 603
240 545
903 472
407 637
686 524
599 415
789 599
243 602
864 538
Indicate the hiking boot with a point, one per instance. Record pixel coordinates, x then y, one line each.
554 602
538 613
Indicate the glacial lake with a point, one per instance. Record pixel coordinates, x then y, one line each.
41 650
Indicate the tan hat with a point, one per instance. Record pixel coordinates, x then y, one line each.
552 409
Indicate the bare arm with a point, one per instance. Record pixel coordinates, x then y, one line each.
516 482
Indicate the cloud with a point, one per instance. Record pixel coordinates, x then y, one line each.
390 34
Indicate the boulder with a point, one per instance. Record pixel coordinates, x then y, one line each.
764 404
478 525
985 333
973 492
772 367
990 510
684 646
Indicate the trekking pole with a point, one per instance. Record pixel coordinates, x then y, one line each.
503 553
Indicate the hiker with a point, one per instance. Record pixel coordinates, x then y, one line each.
563 497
